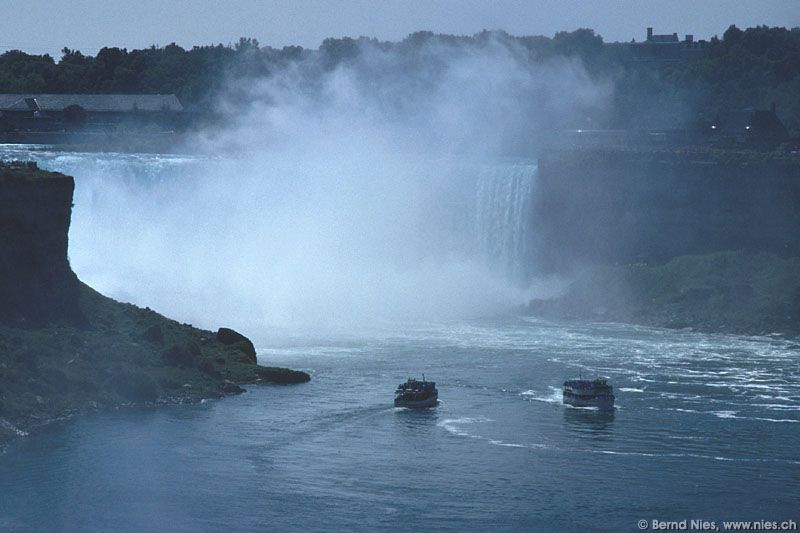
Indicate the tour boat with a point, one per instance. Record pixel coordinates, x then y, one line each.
416 394
589 393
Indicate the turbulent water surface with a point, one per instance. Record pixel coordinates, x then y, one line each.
706 426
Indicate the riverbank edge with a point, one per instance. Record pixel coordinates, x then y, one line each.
163 353
65 348
733 292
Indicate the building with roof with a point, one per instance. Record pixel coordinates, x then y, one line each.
54 112
668 48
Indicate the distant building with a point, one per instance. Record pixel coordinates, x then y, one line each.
668 48
47 112
759 126
651 38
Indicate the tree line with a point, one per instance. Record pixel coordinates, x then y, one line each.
744 68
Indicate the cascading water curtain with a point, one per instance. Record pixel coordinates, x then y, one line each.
502 217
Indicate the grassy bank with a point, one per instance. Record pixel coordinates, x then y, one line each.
732 292
118 354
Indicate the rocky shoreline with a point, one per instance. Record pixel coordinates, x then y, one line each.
119 356
66 349
727 292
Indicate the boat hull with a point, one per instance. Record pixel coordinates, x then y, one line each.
417 404
601 401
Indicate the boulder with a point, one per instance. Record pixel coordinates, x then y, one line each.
283 376
229 387
230 337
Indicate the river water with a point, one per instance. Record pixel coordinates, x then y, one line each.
705 427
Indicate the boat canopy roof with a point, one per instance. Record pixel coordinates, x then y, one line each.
587 383
415 384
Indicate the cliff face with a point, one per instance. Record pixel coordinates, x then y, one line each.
621 207
708 240
36 282
66 348
731 292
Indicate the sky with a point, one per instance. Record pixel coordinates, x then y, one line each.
46 26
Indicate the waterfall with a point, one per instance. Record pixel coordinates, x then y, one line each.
502 217
284 241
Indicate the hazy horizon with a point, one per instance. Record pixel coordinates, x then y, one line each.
88 25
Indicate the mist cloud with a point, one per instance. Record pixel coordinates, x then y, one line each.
343 192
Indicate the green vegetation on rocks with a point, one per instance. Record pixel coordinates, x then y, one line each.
119 355
735 292
65 348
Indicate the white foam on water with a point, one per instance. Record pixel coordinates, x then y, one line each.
506 444
752 385
769 397
453 425
678 409
696 456
555 396
679 396
309 351
776 420
11 427
777 406
732 414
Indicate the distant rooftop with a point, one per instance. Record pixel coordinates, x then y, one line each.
108 103
667 48
665 38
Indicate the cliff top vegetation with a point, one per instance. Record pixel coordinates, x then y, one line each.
25 170
744 68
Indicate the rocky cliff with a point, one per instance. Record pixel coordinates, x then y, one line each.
36 284
622 206
65 348
727 292
707 239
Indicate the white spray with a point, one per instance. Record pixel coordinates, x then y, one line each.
365 193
